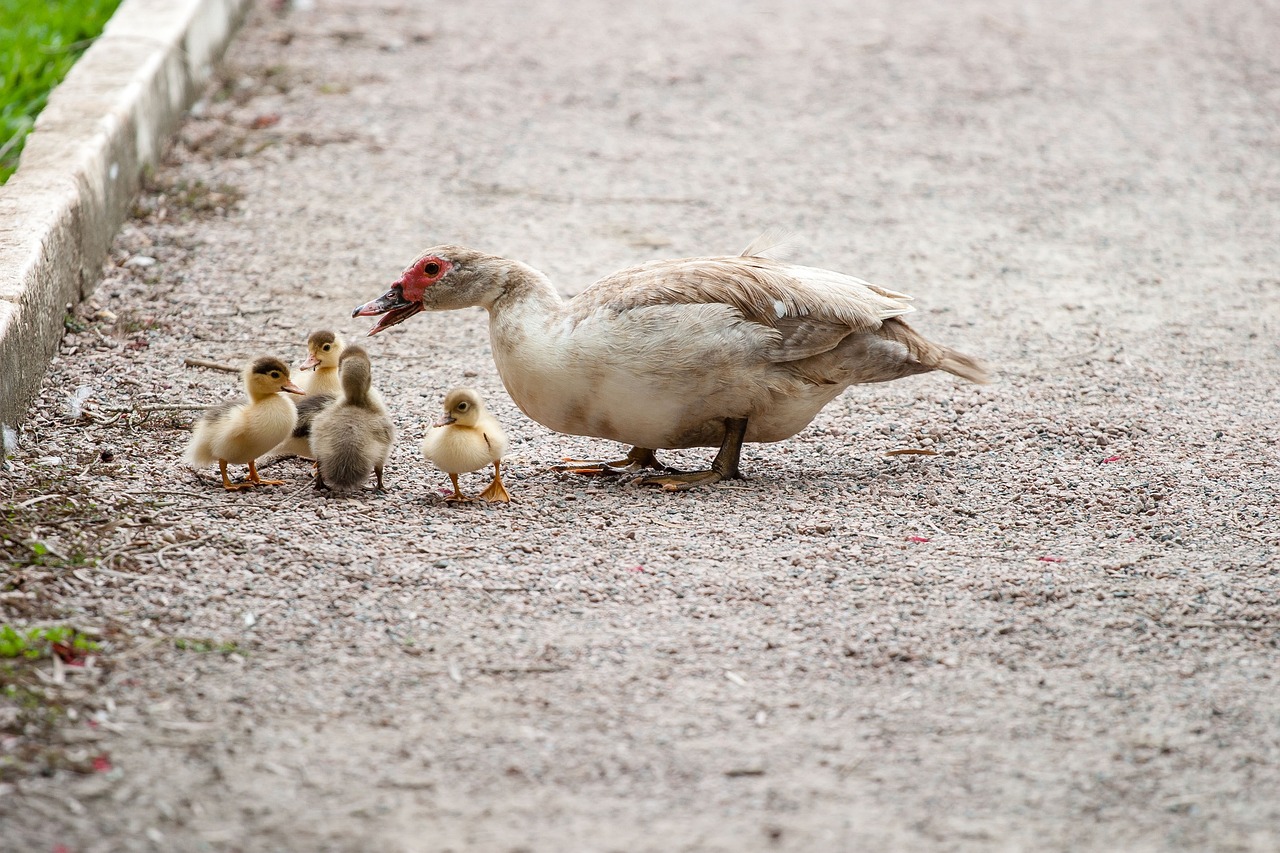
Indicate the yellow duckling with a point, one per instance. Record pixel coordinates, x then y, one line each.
352 436
467 439
324 350
239 431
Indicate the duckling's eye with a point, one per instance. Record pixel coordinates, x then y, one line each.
462 407
327 346
275 374
431 268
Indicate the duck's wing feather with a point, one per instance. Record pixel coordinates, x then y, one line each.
807 310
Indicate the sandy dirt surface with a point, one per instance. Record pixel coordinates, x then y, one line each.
1058 633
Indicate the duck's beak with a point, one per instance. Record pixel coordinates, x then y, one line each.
311 363
393 307
292 389
445 421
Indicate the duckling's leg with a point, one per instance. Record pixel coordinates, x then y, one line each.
724 467
637 460
226 481
377 472
457 496
258 481
496 491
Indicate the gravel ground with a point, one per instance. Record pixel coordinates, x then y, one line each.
1057 633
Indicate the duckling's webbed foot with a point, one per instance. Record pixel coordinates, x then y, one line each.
637 459
258 481
496 491
457 497
226 481
724 467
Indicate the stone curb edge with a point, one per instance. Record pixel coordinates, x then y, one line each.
82 165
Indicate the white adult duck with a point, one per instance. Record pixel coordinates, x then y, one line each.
695 352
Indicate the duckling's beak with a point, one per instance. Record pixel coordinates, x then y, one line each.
393 307
311 363
292 389
445 421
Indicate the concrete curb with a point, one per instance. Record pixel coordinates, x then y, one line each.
104 124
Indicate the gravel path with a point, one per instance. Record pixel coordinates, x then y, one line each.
1057 633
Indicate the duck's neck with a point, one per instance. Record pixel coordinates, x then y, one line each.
520 289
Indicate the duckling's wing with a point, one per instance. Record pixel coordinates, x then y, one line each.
764 291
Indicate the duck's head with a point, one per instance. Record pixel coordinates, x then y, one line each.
266 376
441 279
462 406
323 350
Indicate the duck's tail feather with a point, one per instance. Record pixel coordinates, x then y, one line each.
931 356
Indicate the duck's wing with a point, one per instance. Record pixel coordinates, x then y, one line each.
807 310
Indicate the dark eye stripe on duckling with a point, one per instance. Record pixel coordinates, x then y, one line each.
267 365
320 338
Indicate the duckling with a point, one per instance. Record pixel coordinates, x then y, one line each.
353 435
324 350
467 439
239 431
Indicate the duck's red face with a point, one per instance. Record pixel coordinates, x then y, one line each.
405 298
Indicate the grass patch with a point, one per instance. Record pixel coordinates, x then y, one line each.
39 42
35 643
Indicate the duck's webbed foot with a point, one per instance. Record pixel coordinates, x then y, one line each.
637 459
724 467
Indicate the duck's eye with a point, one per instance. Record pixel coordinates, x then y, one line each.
431 268
327 347
462 407
275 374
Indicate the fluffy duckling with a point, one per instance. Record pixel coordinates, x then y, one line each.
239 431
324 351
467 439
354 434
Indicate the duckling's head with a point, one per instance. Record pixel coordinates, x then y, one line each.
441 279
323 350
266 376
462 406
356 373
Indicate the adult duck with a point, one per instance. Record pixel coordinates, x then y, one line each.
695 352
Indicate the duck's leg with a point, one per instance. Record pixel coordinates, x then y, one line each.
457 496
226 481
496 491
377 472
723 467
637 460
258 481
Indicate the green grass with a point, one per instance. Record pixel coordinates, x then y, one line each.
39 42
39 642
